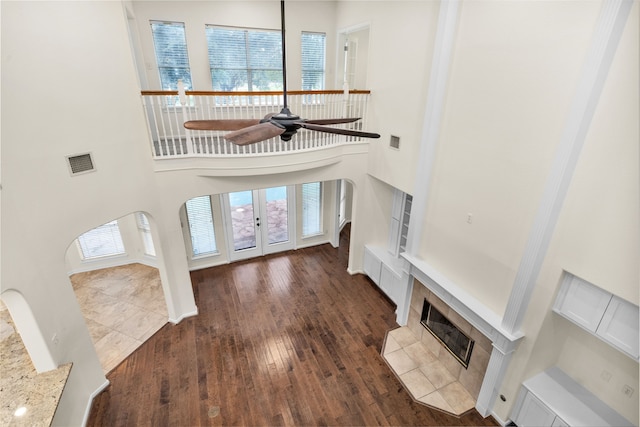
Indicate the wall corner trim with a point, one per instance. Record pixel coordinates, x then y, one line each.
184 316
92 396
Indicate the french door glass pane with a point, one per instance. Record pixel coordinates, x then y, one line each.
277 215
242 220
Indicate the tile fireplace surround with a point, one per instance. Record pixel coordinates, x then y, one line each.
426 368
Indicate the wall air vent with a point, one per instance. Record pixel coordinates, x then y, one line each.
394 142
80 163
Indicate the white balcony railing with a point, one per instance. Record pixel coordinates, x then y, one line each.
168 110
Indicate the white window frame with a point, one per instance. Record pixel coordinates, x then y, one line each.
216 250
144 230
172 101
302 62
108 233
249 68
320 212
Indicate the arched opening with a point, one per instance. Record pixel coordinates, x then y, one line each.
17 322
114 273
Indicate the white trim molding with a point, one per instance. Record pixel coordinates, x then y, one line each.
607 34
184 316
93 395
481 317
442 54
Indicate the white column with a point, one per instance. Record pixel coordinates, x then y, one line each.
609 28
182 95
442 53
497 368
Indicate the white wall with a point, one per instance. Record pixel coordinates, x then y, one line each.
509 90
401 36
69 86
596 238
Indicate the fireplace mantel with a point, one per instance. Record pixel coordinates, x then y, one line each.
476 313
479 316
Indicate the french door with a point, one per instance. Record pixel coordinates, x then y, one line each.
259 222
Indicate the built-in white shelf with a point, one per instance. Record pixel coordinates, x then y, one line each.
553 399
607 316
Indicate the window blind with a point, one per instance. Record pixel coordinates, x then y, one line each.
311 209
242 59
170 45
200 218
145 233
101 241
313 60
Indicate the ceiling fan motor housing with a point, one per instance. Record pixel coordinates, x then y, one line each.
286 120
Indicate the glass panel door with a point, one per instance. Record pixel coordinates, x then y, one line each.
277 225
244 237
259 222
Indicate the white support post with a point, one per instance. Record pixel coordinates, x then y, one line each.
182 96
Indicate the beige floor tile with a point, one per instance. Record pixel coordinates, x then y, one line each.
400 362
123 306
96 330
390 345
437 374
420 354
432 343
436 400
113 348
403 336
417 383
457 397
138 325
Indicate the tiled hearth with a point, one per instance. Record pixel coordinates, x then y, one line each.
427 370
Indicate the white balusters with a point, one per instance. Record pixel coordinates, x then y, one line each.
166 114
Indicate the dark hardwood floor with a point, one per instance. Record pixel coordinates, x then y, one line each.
286 339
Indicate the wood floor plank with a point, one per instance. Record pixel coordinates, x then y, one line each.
286 339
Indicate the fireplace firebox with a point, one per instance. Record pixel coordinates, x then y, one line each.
452 338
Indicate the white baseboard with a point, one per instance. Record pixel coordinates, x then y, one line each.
499 420
184 316
110 262
354 272
93 395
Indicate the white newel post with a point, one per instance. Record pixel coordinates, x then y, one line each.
182 96
345 99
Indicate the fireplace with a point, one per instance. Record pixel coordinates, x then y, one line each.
453 339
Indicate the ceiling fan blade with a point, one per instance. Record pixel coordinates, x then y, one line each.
339 131
255 133
231 124
331 121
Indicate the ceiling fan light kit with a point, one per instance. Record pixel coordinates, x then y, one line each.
284 124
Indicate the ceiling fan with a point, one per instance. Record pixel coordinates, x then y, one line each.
284 124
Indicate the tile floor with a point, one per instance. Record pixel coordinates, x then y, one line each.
122 306
427 380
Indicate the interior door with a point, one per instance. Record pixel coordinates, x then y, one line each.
259 222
